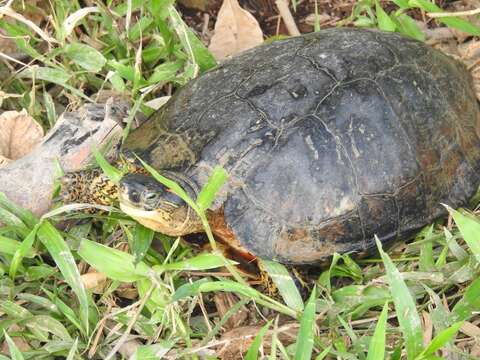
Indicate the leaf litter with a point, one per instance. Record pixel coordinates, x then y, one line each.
236 30
19 134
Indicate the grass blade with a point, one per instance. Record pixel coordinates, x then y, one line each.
58 249
441 339
252 353
210 189
172 185
469 227
26 216
384 21
73 351
85 56
450 21
284 282
324 353
50 108
50 325
154 351
453 246
469 304
24 250
404 305
204 261
427 262
53 75
14 351
191 289
142 239
376 349
304 343
197 52
10 246
408 26
111 171
116 264
65 310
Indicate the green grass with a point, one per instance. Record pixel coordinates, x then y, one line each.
366 309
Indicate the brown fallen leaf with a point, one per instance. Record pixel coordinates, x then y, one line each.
127 291
19 134
237 342
223 302
20 342
470 329
427 328
94 281
236 30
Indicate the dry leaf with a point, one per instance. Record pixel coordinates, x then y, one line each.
237 342
236 30
127 291
129 348
322 18
7 45
427 328
157 103
470 329
21 344
19 134
224 302
94 281
71 21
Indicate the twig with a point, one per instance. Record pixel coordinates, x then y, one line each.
206 19
12 59
101 325
287 17
14 15
204 312
458 13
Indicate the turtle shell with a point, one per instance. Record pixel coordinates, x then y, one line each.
329 139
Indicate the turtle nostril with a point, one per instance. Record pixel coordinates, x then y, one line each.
134 196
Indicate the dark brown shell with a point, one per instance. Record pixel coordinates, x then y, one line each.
329 139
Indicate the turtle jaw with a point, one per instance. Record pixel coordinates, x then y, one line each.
156 220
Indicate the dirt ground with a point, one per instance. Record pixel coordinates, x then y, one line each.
201 14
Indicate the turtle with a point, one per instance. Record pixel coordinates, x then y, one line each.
329 139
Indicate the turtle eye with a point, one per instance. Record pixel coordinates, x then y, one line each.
150 196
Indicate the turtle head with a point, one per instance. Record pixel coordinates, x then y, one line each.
155 206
